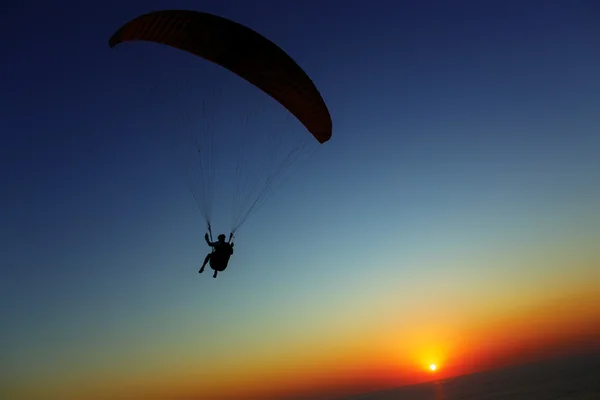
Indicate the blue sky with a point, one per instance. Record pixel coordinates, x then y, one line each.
460 132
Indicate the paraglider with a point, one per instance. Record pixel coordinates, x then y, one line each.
219 257
258 61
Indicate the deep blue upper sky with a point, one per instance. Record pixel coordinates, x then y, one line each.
455 123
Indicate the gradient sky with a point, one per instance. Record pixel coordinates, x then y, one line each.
453 218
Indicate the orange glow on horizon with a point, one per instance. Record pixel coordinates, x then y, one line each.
422 349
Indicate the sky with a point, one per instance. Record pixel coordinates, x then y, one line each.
453 218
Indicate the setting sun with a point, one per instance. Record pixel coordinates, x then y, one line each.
433 367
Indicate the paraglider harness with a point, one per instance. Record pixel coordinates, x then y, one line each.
218 262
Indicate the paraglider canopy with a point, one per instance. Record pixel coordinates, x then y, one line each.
264 65
242 51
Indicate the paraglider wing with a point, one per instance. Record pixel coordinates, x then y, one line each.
240 50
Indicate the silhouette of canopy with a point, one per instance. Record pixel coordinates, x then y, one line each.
240 50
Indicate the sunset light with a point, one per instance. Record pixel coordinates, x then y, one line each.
300 200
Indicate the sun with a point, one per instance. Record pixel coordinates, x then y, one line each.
433 367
